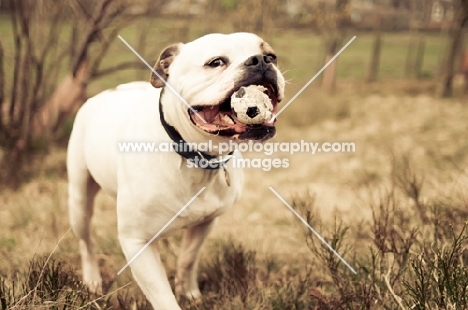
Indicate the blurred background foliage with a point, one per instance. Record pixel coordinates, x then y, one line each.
53 55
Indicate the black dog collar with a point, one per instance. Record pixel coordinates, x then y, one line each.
212 162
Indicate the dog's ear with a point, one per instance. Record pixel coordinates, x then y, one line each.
163 63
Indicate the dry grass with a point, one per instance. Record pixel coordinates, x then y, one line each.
395 210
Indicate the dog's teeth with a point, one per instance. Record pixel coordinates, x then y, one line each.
227 119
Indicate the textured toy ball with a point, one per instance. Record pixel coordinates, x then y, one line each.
251 105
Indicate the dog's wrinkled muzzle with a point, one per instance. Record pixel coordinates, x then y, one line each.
221 121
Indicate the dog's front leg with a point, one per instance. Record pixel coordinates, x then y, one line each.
148 271
187 266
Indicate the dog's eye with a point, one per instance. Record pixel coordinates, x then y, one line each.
270 58
217 62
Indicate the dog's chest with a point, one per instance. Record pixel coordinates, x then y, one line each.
197 196
217 195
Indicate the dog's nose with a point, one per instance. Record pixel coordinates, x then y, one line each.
252 112
257 61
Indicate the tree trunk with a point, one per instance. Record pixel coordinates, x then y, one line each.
2 89
447 80
444 40
329 74
419 57
66 99
464 71
411 54
373 70
460 20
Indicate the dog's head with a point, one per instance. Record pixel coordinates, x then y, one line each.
208 71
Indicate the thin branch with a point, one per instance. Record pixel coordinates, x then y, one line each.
17 60
102 12
91 36
73 43
121 66
53 34
105 45
106 295
99 22
29 61
34 290
395 296
2 86
81 9
40 89
112 16
23 17
38 86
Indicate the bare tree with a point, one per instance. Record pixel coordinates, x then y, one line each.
36 104
460 21
373 70
333 21
415 55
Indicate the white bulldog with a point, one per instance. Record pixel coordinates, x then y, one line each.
151 188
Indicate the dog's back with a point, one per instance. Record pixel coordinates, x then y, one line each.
98 127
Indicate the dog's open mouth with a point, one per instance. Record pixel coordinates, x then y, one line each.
220 119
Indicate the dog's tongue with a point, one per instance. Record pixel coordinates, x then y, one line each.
217 120
209 113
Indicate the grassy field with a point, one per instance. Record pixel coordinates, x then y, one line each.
395 209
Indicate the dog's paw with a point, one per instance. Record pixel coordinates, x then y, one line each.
93 282
94 287
91 276
193 295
